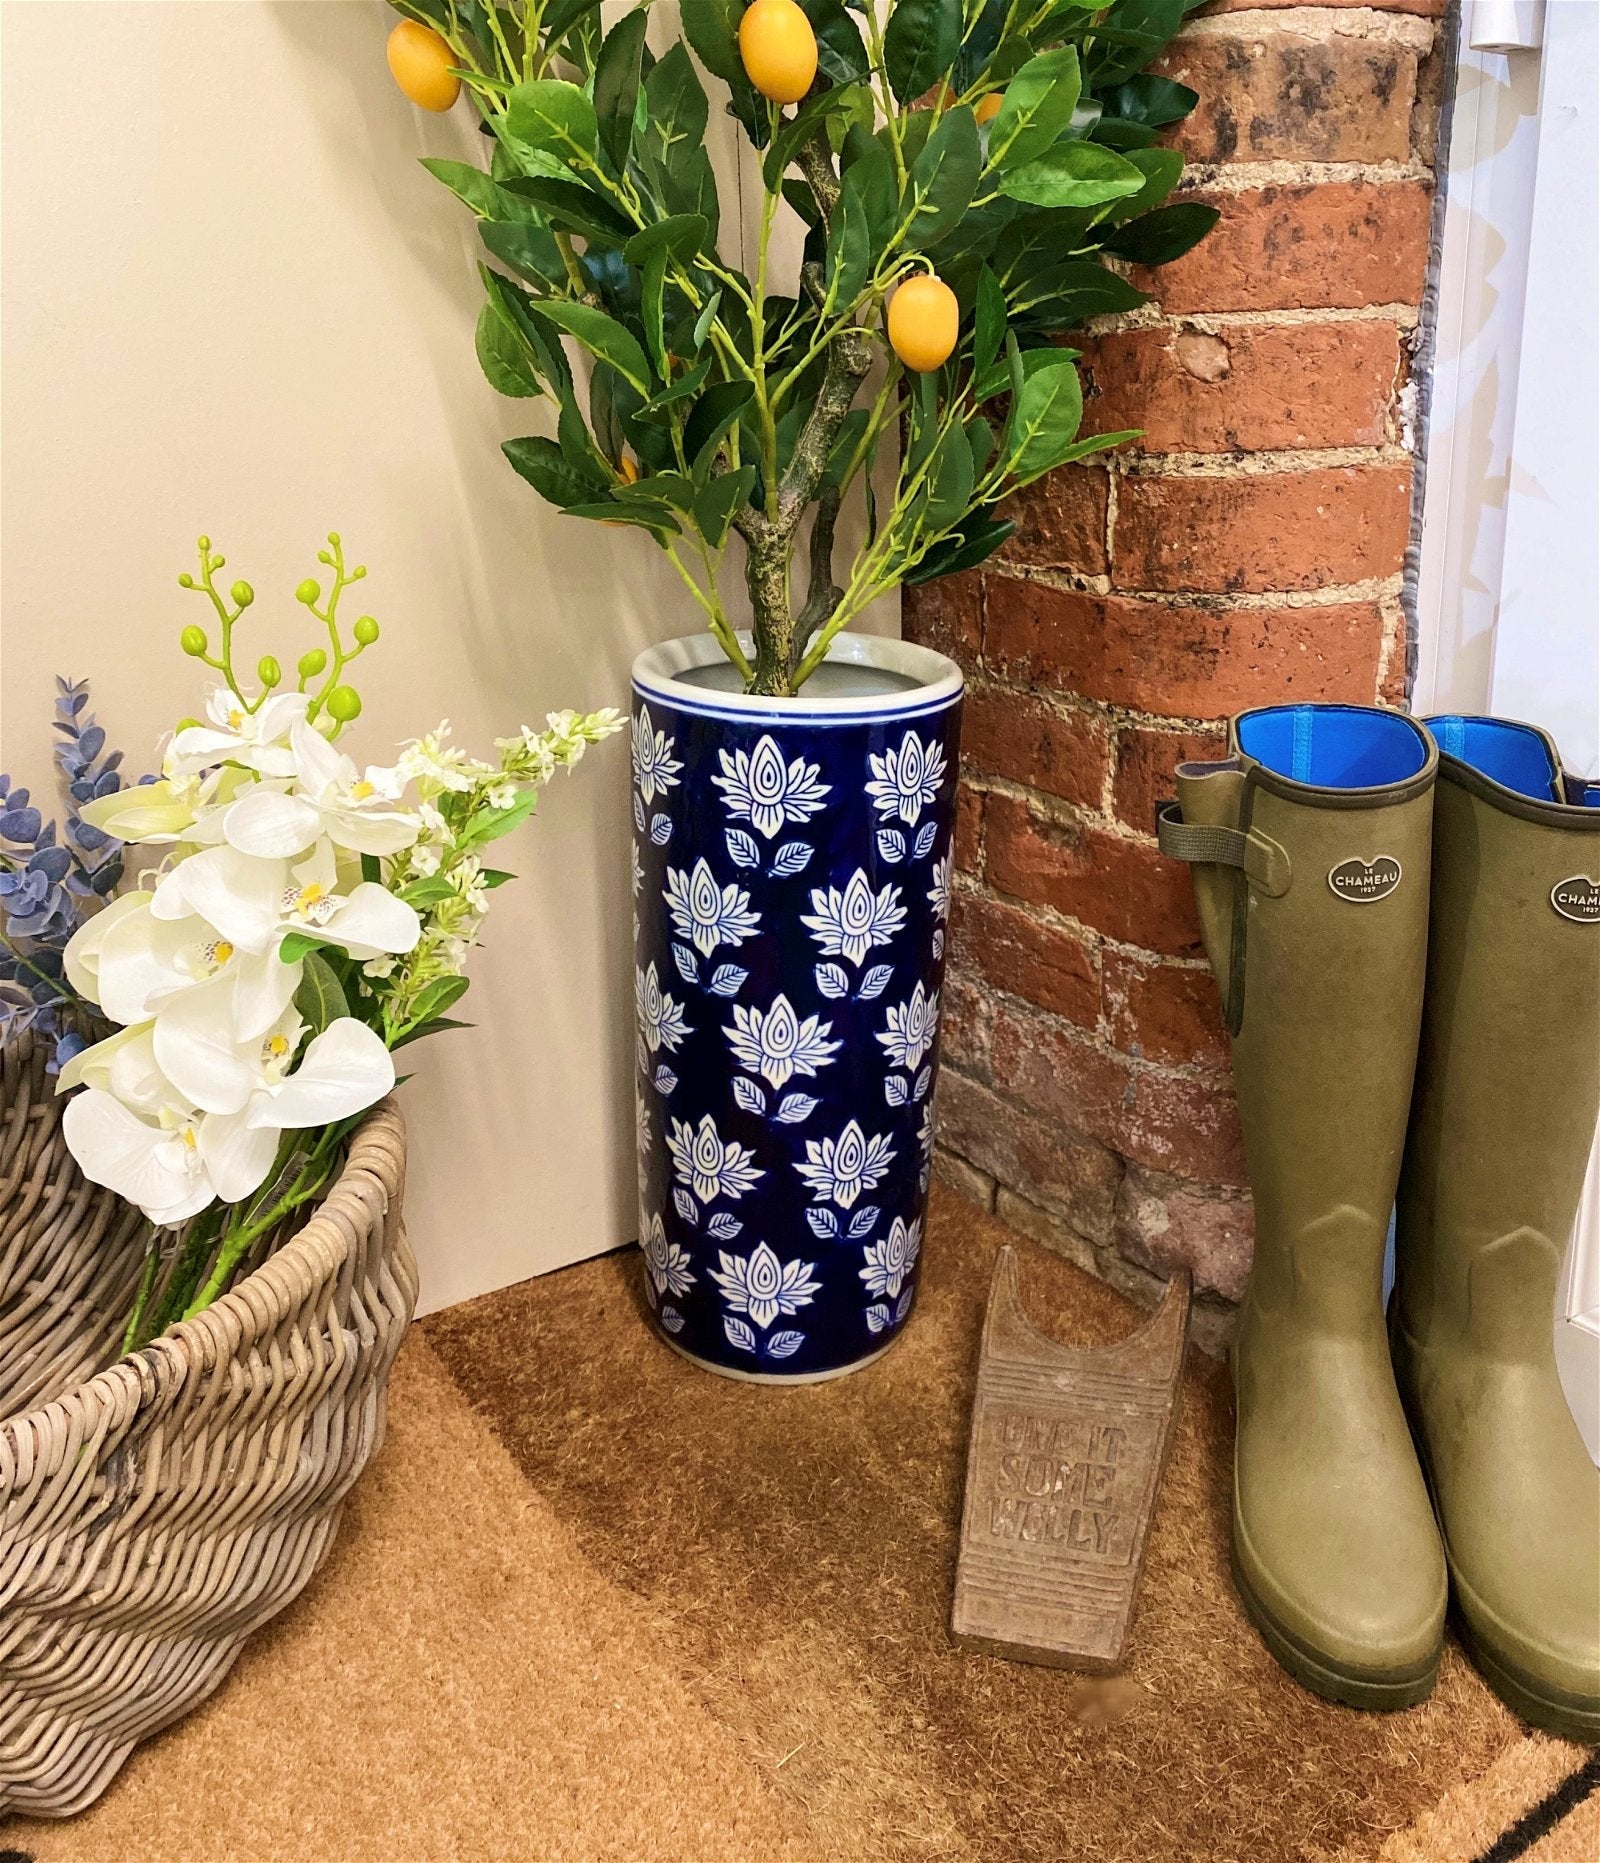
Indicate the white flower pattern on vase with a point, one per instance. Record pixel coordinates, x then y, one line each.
706 1164
839 1170
779 1044
912 1027
705 913
666 1262
928 1131
759 787
655 769
906 781
762 1286
939 892
891 1260
661 1019
849 923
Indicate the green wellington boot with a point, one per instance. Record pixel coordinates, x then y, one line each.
1507 1094
1310 851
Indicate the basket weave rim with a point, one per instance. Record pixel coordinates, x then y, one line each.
367 1185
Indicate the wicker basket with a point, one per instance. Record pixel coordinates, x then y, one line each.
155 1512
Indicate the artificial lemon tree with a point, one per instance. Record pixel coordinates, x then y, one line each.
964 169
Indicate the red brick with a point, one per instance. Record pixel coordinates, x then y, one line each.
1027 740
1121 887
947 615
1182 660
1432 9
1061 520
1013 951
1066 1172
1163 1012
1244 389
968 839
1164 1224
1262 531
1146 756
1184 1124
1340 245
1284 96
965 1019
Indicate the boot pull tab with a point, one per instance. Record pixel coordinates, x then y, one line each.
1262 861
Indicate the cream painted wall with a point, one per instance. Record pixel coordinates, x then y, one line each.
233 303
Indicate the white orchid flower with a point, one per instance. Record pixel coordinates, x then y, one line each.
82 953
254 904
155 1162
123 1065
329 798
259 740
141 963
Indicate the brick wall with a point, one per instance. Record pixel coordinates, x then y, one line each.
1248 550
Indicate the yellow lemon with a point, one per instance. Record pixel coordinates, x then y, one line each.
924 322
779 50
420 61
988 108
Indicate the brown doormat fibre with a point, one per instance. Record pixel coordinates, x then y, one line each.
591 1603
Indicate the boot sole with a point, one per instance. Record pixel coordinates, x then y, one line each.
1376 1691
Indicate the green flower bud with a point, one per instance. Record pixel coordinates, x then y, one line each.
268 670
186 581
205 543
243 594
312 663
344 704
366 631
187 724
307 592
193 641
333 538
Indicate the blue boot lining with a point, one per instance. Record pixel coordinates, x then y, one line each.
1513 755
1334 746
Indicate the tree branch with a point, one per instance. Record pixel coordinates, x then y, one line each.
823 594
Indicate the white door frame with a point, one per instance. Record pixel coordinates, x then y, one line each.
1508 592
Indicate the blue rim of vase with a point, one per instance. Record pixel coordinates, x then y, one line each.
939 682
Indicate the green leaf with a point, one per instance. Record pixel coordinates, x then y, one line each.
1060 295
978 538
552 472
1168 233
482 193
848 264
438 997
714 414
529 250
652 311
989 321
1038 106
602 336
676 111
616 85
1073 174
943 178
428 892
435 1027
920 44
554 118
491 877
571 207
1149 99
657 519
1118 133
297 943
707 317
1161 169
320 996
560 16
712 28
841 55
681 234
715 505
950 481
1044 419
814 114
503 355
491 824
